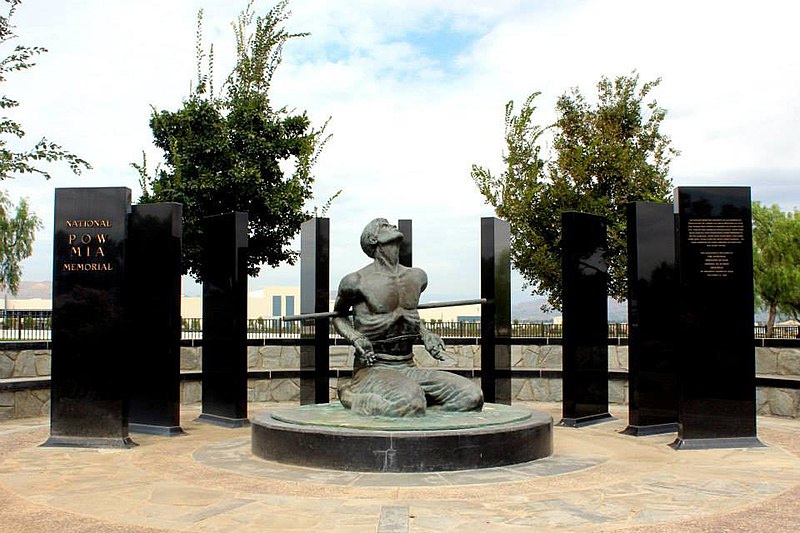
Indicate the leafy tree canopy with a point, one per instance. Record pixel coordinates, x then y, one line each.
234 152
17 223
603 155
776 261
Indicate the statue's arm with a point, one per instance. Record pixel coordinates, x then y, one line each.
346 298
433 342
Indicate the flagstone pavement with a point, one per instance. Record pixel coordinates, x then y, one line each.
597 480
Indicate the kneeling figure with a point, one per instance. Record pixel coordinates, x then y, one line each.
383 297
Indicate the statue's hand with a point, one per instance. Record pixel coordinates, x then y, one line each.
434 344
364 350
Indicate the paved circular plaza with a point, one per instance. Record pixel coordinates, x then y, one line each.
207 480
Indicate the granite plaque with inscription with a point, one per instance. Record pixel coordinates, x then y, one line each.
652 319
314 297
717 358
224 400
496 312
585 314
153 271
89 372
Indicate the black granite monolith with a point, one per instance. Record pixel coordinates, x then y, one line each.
89 370
225 320
314 298
407 246
153 308
496 312
717 406
652 319
585 315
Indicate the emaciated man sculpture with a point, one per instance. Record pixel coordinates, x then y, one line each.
383 297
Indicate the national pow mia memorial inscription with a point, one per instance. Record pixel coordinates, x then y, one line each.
652 319
89 378
717 361
224 397
585 312
153 308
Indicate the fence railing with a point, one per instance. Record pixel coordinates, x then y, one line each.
18 325
278 329
778 332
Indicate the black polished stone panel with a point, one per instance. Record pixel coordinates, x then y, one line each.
89 377
153 309
407 246
652 319
717 361
314 297
496 312
585 313
225 320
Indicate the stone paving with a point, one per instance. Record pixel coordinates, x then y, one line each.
207 480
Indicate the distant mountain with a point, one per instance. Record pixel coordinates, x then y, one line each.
31 289
531 311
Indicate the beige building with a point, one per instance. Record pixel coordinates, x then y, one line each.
267 302
27 304
278 301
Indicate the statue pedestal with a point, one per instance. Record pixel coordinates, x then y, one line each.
330 436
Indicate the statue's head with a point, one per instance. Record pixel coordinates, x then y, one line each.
378 231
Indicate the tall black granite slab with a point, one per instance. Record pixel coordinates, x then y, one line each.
496 312
652 320
89 377
153 309
407 246
585 314
714 246
314 298
224 400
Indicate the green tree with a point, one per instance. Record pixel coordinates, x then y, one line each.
776 261
17 231
228 153
17 223
603 155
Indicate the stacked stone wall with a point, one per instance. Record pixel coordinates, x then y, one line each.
24 375
778 363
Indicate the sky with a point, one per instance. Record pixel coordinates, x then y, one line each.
415 91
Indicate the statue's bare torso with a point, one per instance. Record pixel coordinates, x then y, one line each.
385 305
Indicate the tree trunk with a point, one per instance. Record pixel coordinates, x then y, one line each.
770 321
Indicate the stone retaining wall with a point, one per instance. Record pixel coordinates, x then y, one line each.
24 375
778 363
24 363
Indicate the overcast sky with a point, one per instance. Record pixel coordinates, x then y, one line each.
416 91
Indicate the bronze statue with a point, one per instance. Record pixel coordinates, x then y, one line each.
384 296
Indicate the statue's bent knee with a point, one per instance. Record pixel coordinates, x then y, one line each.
468 399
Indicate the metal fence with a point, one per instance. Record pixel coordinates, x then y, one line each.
17 325
278 329
778 332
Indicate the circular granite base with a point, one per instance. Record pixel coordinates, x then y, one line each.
330 436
